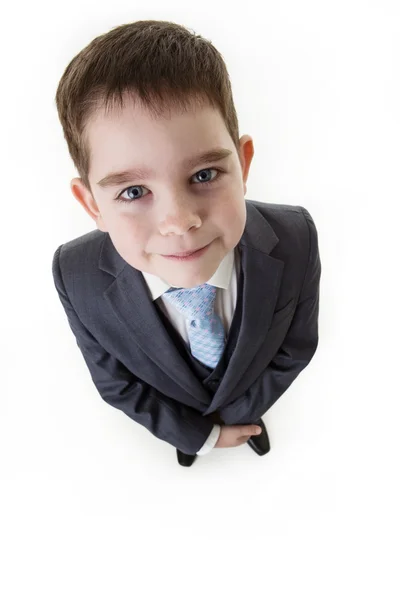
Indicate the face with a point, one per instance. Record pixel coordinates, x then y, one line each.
171 206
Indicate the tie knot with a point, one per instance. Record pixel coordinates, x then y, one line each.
197 302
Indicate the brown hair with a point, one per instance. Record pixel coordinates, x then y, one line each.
158 63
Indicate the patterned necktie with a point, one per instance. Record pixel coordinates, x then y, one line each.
205 328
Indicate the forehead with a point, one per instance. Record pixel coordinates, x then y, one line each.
125 136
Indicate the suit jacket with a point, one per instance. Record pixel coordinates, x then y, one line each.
132 359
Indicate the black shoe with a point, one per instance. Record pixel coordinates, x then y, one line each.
186 460
260 442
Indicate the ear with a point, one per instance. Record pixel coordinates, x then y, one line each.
246 156
85 198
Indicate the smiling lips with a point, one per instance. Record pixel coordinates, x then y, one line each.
188 256
187 253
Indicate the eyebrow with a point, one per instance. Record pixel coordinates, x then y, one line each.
121 177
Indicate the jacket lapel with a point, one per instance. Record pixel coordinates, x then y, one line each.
128 297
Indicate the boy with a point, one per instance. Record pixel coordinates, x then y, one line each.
195 349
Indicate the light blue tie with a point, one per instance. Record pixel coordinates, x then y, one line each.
205 328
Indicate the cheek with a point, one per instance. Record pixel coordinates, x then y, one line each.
230 213
129 233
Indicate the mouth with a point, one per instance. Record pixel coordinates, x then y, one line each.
188 254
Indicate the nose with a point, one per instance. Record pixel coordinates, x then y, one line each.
179 217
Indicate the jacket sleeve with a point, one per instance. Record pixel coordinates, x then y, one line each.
181 426
294 354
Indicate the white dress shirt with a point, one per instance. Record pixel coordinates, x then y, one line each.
225 280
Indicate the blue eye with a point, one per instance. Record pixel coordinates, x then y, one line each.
132 187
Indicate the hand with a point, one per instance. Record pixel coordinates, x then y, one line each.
235 435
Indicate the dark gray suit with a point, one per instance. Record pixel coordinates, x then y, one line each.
137 359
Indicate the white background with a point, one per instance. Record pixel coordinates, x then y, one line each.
91 504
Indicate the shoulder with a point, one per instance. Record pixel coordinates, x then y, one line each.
80 250
291 223
75 262
283 216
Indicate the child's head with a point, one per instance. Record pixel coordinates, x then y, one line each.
148 97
